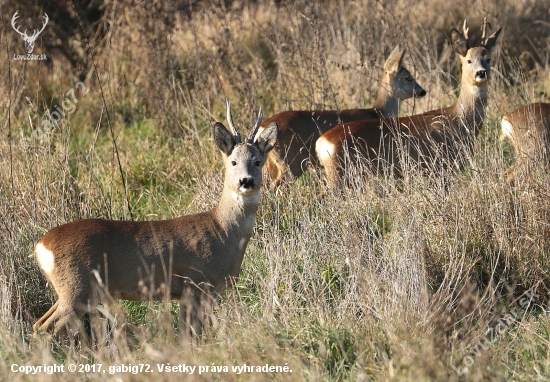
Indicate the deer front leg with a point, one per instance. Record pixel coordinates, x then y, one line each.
195 310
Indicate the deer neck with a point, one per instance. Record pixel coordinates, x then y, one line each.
386 103
470 105
236 214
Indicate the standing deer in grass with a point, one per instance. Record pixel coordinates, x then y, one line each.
433 141
162 259
528 129
298 130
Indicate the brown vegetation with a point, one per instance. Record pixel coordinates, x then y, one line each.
392 279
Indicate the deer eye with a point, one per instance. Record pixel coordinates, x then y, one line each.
233 163
257 163
469 61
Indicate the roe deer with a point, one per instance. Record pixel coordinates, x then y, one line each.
434 140
166 258
528 128
298 130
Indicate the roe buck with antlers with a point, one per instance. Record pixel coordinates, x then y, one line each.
29 40
298 130
167 258
434 140
528 129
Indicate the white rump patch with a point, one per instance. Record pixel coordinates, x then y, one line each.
506 127
324 150
45 258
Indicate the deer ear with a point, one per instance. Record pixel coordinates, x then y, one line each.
393 63
460 44
267 138
492 39
223 138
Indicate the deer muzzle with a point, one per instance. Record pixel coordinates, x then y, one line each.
246 184
481 76
420 94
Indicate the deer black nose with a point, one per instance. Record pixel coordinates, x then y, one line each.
421 93
246 183
481 73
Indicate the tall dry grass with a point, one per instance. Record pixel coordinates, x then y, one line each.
390 279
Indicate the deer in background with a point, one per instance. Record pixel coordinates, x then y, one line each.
433 141
298 130
166 259
528 128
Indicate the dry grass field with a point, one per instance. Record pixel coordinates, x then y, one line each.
416 279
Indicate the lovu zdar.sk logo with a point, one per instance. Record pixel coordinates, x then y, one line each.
29 40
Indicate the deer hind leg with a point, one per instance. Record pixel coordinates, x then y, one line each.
72 304
510 174
277 169
45 317
61 316
335 173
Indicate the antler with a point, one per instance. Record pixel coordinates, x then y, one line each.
46 18
484 31
230 122
15 17
465 30
254 131
36 31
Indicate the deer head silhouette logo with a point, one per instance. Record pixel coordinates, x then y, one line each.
29 40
